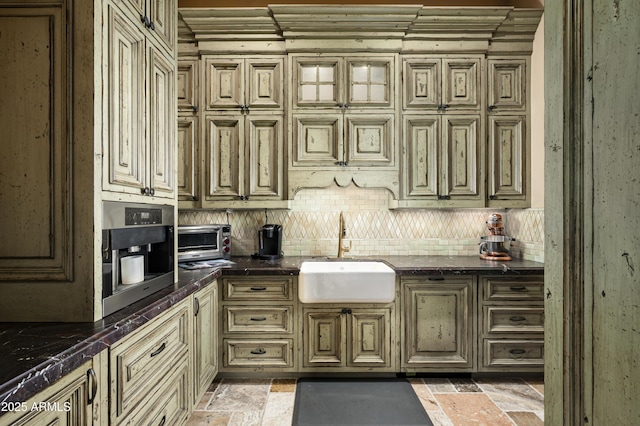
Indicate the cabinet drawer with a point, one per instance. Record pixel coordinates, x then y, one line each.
263 288
500 319
169 405
258 353
251 319
142 360
524 354
513 288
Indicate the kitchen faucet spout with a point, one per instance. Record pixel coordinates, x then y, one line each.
342 232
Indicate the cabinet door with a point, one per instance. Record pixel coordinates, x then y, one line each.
188 86
223 83
506 87
370 338
439 323
188 174
63 403
163 17
507 153
370 82
422 83
265 83
370 140
324 338
461 83
205 353
264 171
162 124
223 156
317 140
317 81
125 157
461 157
420 157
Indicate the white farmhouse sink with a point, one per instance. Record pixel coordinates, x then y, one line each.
342 282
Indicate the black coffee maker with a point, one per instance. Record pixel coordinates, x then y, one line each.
269 240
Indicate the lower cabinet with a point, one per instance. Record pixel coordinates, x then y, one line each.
79 398
512 324
149 370
348 338
205 339
438 324
258 324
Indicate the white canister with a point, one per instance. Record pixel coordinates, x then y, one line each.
132 268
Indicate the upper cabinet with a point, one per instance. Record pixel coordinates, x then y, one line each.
443 84
157 16
140 103
429 103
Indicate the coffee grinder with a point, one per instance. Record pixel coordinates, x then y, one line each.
269 240
492 247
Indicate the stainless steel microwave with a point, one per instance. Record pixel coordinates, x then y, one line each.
204 242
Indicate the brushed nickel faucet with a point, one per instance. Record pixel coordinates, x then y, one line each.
342 232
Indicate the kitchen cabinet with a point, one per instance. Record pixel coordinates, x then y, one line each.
243 128
258 324
511 336
443 151
509 146
140 104
441 161
444 84
158 17
438 324
205 339
188 184
150 370
348 339
79 398
343 120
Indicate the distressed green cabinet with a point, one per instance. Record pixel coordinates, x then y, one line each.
438 324
205 339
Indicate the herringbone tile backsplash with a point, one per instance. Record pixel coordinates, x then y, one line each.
310 228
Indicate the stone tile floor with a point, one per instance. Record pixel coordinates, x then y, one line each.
448 401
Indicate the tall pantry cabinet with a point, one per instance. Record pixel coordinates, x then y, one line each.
88 114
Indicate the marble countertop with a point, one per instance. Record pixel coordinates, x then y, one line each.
34 355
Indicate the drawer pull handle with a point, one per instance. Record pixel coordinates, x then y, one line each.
258 318
258 351
517 319
94 385
163 421
436 279
517 351
160 349
258 288
522 288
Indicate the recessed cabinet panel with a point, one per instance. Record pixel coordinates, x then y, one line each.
188 180
162 124
422 147
370 140
266 85
265 157
507 157
422 83
224 83
507 81
317 140
222 142
462 83
187 86
324 340
462 156
370 338
126 72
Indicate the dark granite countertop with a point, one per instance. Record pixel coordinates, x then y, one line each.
34 355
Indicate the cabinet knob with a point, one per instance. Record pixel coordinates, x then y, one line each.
145 190
490 108
152 191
